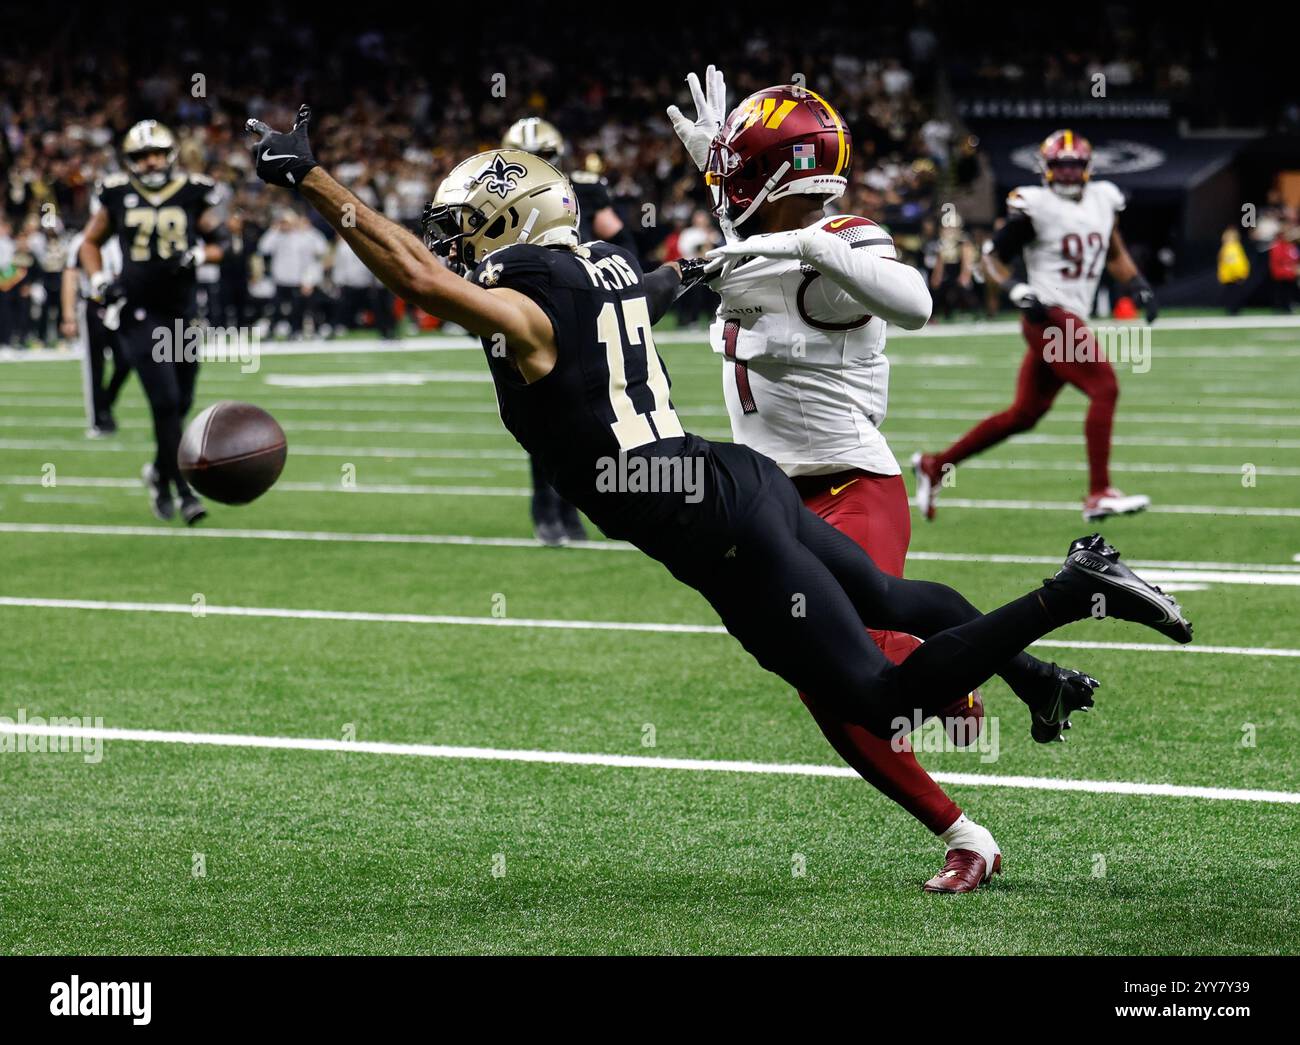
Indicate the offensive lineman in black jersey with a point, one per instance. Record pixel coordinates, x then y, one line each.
555 520
566 331
159 218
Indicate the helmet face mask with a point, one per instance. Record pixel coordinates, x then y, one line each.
495 200
1065 160
149 138
778 142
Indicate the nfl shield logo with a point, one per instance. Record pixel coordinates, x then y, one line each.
805 157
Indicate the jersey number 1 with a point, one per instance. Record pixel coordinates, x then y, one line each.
632 429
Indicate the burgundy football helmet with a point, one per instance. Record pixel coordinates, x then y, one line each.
1066 161
779 141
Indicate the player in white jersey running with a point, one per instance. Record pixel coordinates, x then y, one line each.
801 328
1068 232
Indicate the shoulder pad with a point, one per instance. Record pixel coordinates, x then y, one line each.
1024 198
509 263
859 232
1112 192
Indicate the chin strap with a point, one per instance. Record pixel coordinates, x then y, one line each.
762 193
527 230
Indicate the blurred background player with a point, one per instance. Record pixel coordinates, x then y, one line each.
555 520
802 327
1067 231
158 216
85 318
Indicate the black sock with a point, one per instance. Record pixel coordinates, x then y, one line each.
953 662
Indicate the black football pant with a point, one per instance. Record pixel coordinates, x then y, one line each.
799 595
548 505
99 342
168 380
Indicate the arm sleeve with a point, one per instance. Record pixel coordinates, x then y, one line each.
1013 237
660 290
858 256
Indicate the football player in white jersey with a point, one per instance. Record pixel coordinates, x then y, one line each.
801 328
1068 233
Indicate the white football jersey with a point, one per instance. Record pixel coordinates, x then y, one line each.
805 375
1067 257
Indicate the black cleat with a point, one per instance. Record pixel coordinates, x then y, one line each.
160 498
551 533
1092 568
192 510
1071 691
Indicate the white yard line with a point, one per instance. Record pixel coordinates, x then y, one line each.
507 491
358 616
1174 571
323 536
573 758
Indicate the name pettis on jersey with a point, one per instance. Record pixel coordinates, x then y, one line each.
611 272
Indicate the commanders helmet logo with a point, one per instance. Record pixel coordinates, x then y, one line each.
501 176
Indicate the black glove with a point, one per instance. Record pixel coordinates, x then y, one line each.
697 270
1145 297
186 260
283 159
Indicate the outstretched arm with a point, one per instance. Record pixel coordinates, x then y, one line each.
400 260
867 272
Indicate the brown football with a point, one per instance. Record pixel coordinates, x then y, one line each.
232 452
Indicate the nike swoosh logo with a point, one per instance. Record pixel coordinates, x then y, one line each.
838 222
283 156
837 490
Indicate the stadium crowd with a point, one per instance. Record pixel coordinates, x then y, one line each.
391 129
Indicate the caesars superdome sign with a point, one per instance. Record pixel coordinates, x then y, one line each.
1109 158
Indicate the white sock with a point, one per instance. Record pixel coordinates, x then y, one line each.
966 834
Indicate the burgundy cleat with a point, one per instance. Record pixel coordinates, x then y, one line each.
963 719
964 872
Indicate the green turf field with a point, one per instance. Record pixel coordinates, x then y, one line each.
196 848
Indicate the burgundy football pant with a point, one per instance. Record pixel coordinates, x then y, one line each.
1036 390
874 511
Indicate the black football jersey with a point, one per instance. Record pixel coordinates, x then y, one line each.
156 227
608 394
593 196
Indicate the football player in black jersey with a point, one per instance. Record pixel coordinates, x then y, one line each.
566 331
160 218
555 520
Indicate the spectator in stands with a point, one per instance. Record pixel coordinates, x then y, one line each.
13 271
294 250
1284 264
1234 270
358 291
700 236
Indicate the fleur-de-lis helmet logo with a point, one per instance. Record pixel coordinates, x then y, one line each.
501 176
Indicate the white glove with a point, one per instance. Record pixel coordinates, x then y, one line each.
792 244
99 282
710 114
